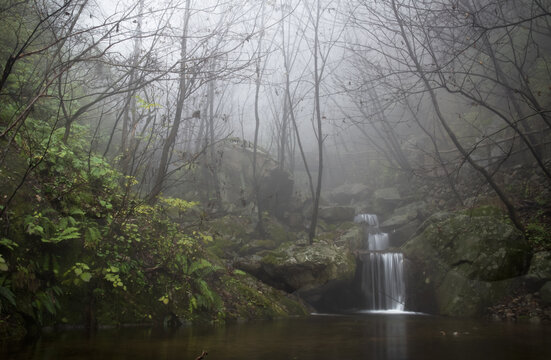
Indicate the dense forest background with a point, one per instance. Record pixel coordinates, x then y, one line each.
115 118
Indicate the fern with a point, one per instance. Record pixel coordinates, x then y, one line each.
198 265
7 295
67 233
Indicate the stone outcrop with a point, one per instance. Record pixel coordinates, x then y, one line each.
316 272
231 177
540 268
545 293
465 262
337 214
539 275
385 201
347 194
235 236
301 267
404 221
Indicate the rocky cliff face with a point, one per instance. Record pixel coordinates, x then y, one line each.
463 262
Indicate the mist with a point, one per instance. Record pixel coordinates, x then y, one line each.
174 161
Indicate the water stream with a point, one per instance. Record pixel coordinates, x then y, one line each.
382 281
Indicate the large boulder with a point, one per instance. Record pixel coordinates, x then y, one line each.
229 178
385 200
235 236
467 261
404 221
337 214
405 214
319 272
349 194
540 268
294 267
545 293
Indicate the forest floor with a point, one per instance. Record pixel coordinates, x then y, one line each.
521 307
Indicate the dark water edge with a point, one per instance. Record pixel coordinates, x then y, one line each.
359 336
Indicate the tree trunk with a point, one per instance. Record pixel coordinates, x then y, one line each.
319 135
503 197
171 139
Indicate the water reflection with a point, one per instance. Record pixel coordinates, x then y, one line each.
358 336
389 339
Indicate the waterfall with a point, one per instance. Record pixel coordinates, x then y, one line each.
382 275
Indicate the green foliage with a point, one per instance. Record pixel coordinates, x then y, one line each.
6 295
539 235
79 235
77 274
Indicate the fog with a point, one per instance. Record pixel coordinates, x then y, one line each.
224 160
455 92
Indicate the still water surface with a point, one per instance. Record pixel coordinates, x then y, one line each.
320 337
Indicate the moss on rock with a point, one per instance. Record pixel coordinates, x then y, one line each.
469 261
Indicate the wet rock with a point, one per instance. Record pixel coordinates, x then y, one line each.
482 248
233 179
407 213
276 191
540 268
308 267
545 293
235 235
404 221
387 194
386 200
337 214
295 266
470 261
350 193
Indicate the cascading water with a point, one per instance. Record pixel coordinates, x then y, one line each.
382 277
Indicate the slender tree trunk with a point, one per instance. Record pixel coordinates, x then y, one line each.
441 161
129 112
319 135
212 151
503 197
171 139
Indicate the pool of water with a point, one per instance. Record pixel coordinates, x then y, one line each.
357 336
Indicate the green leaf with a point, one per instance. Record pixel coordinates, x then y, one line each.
86 276
66 234
77 211
198 265
92 235
3 264
8 243
8 295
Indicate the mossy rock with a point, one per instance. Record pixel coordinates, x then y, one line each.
305 267
545 293
236 235
540 266
246 298
256 246
470 262
485 210
232 227
481 248
230 233
277 232
459 296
